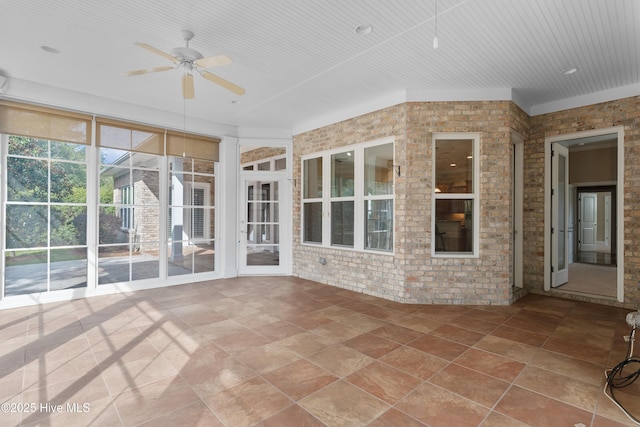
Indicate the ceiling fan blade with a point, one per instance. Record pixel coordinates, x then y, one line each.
187 87
159 52
213 61
222 82
146 71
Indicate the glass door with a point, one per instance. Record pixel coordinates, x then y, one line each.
559 215
260 225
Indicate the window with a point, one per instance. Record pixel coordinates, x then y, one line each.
455 194
356 210
126 211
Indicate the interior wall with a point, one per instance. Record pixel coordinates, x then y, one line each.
598 165
622 112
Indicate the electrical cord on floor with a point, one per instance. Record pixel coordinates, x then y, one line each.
621 376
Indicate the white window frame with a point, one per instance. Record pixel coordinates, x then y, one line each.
358 198
474 195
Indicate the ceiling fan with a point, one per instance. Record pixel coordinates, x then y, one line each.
190 59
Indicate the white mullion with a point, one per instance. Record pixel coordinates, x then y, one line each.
358 198
326 200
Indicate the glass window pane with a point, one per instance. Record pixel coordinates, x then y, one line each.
25 272
145 262
28 180
68 151
264 166
203 257
379 224
26 226
25 146
281 164
454 166
263 255
312 222
111 156
113 264
68 268
68 182
454 225
109 226
68 225
378 170
342 178
181 259
342 223
313 178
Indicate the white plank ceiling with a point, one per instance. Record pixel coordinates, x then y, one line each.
300 60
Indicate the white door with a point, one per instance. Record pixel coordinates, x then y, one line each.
260 233
588 222
607 221
559 215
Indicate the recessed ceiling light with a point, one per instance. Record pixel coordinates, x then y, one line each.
49 49
364 29
453 165
569 71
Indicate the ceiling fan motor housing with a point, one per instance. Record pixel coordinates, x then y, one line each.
186 54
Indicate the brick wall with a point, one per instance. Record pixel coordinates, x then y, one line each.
623 112
411 275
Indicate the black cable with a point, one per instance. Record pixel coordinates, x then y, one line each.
616 378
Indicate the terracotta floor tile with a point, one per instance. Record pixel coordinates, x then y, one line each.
306 343
538 410
337 331
415 362
437 407
395 418
277 330
459 335
240 341
294 415
220 375
491 364
384 382
560 387
396 333
539 326
153 400
134 374
473 385
597 354
342 404
440 347
225 352
372 345
267 357
299 379
248 403
496 419
472 324
196 414
507 348
340 360
518 335
487 315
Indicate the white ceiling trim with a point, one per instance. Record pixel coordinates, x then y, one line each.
584 100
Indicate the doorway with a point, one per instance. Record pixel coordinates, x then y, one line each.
261 231
583 207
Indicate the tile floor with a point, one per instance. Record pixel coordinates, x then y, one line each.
281 351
